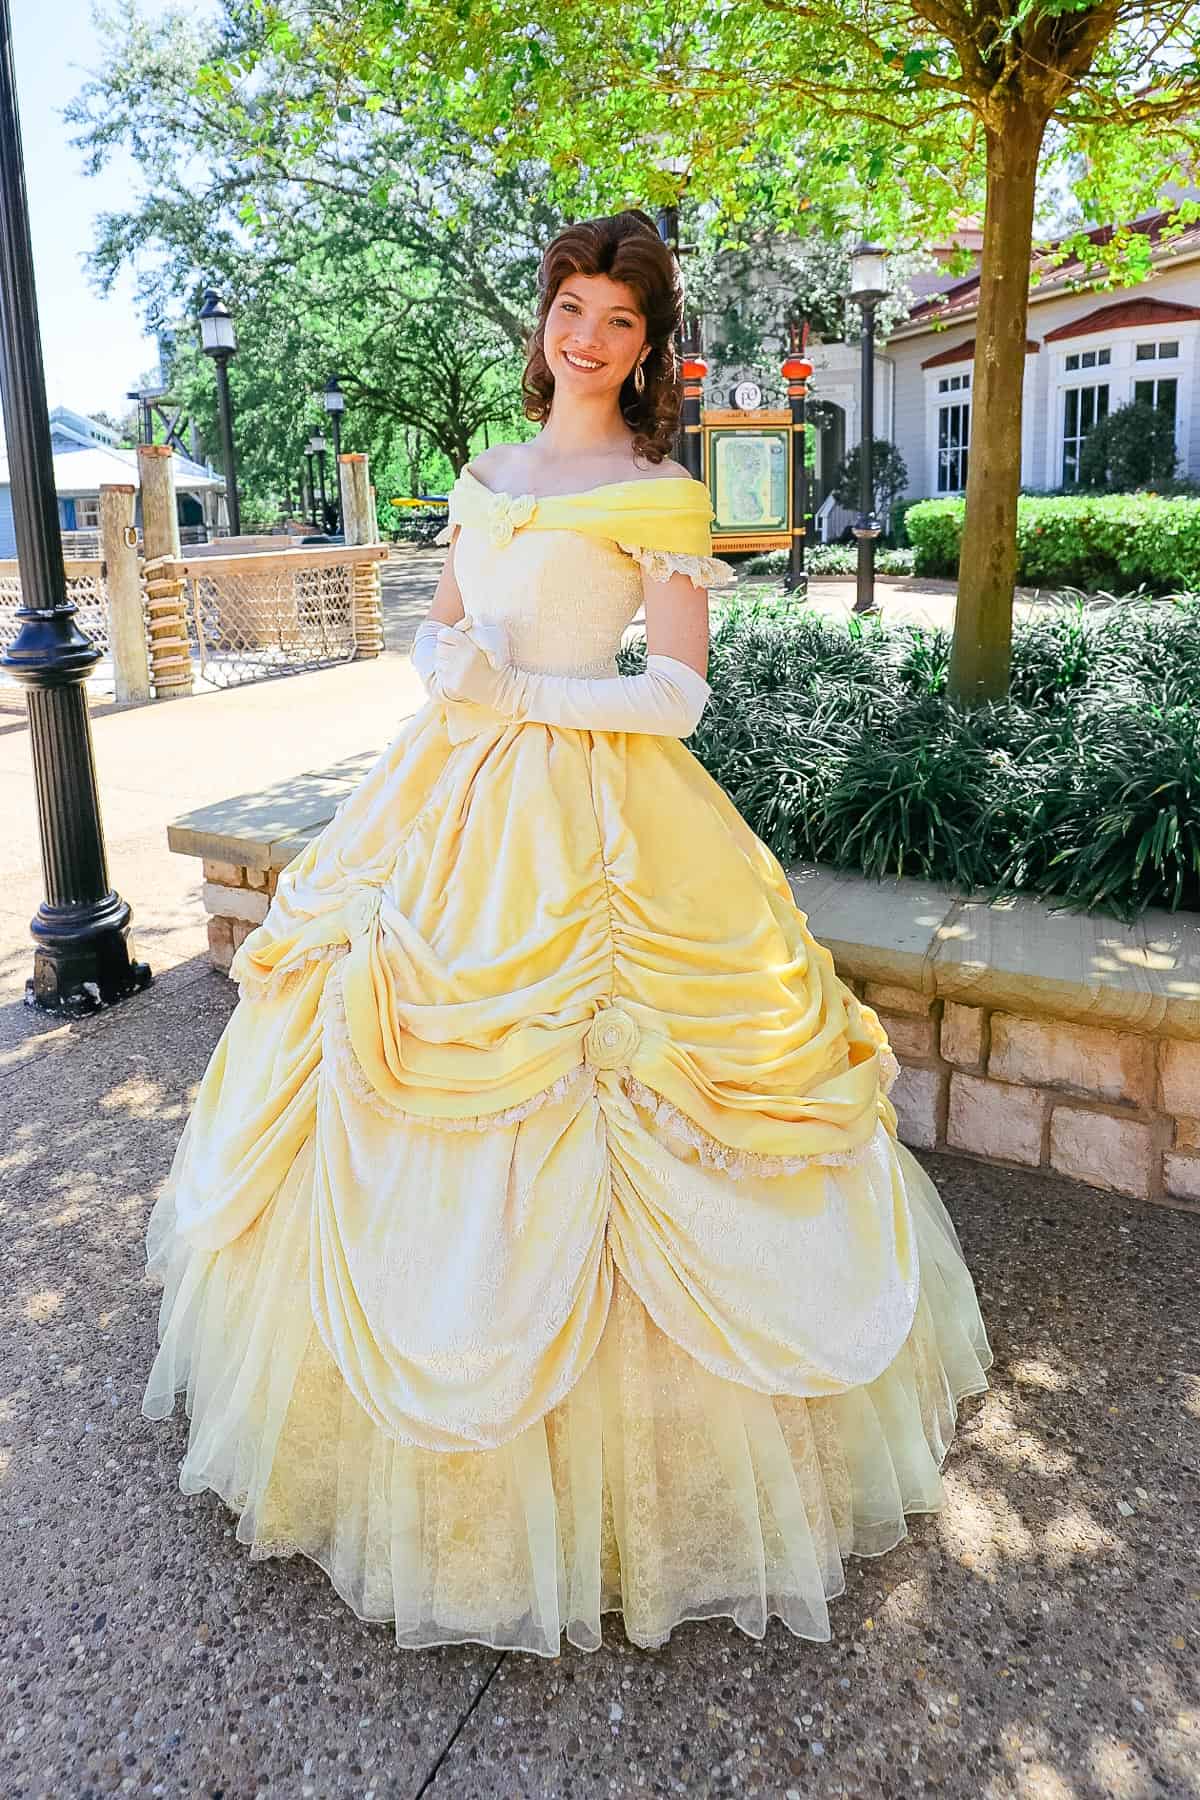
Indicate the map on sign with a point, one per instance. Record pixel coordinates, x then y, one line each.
750 488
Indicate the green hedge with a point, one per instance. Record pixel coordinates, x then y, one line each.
1105 542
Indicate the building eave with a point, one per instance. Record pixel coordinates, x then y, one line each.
936 324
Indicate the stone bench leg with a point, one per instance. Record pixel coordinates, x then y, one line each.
236 898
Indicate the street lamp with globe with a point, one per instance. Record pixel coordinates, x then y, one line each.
218 339
335 405
868 286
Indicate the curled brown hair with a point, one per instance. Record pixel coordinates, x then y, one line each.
626 247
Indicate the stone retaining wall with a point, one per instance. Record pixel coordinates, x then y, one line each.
236 900
1115 1109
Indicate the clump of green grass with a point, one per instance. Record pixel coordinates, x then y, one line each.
837 742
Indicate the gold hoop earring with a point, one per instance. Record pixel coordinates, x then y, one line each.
639 379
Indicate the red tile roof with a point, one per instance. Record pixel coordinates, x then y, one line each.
1052 276
964 353
1125 312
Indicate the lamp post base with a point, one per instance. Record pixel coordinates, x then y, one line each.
81 957
81 962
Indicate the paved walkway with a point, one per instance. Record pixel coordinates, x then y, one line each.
1035 1639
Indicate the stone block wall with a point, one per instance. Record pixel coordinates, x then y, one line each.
1117 1109
236 898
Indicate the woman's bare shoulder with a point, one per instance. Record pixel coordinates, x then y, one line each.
510 466
489 464
666 468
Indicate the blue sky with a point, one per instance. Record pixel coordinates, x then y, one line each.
93 348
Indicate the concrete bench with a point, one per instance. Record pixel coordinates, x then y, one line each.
1059 1041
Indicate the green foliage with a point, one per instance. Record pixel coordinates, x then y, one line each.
374 159
889 476
838 743
1102 543
1131 448
900 512
830 559
320 231
934 529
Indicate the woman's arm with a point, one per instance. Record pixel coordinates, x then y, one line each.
447 604
446 609
677 620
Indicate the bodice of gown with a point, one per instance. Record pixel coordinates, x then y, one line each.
564 599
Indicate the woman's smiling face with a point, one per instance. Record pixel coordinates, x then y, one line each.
595 334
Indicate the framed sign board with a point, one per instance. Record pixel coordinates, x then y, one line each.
748 472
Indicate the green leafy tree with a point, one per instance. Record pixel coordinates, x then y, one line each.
892 119
749 293
374 237
778 117
1131 448
335 254
889 476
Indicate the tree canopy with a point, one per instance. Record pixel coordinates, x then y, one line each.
890 120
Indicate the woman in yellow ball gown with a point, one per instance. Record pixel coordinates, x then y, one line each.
539 1243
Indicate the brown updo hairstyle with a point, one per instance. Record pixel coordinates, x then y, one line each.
626 247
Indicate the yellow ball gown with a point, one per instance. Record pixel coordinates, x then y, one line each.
539 1243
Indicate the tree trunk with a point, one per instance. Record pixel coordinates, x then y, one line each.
979 661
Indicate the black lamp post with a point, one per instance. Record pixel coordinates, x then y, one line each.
694 369
335 406
797 372
219 340
868 286
308 500
81 960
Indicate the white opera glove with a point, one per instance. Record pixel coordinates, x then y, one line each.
423 655
666 701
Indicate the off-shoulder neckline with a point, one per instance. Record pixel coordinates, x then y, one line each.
579 493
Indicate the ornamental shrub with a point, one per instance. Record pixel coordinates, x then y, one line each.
889 476
1133 447
838 743
1095 542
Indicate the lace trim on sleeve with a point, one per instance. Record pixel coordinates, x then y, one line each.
660 565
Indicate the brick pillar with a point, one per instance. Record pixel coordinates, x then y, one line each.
123 592
170 661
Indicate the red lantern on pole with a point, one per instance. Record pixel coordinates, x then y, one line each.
797 372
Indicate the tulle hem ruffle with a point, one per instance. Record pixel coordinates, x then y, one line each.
655 1487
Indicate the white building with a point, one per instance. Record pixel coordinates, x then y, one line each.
87 455
1088 351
